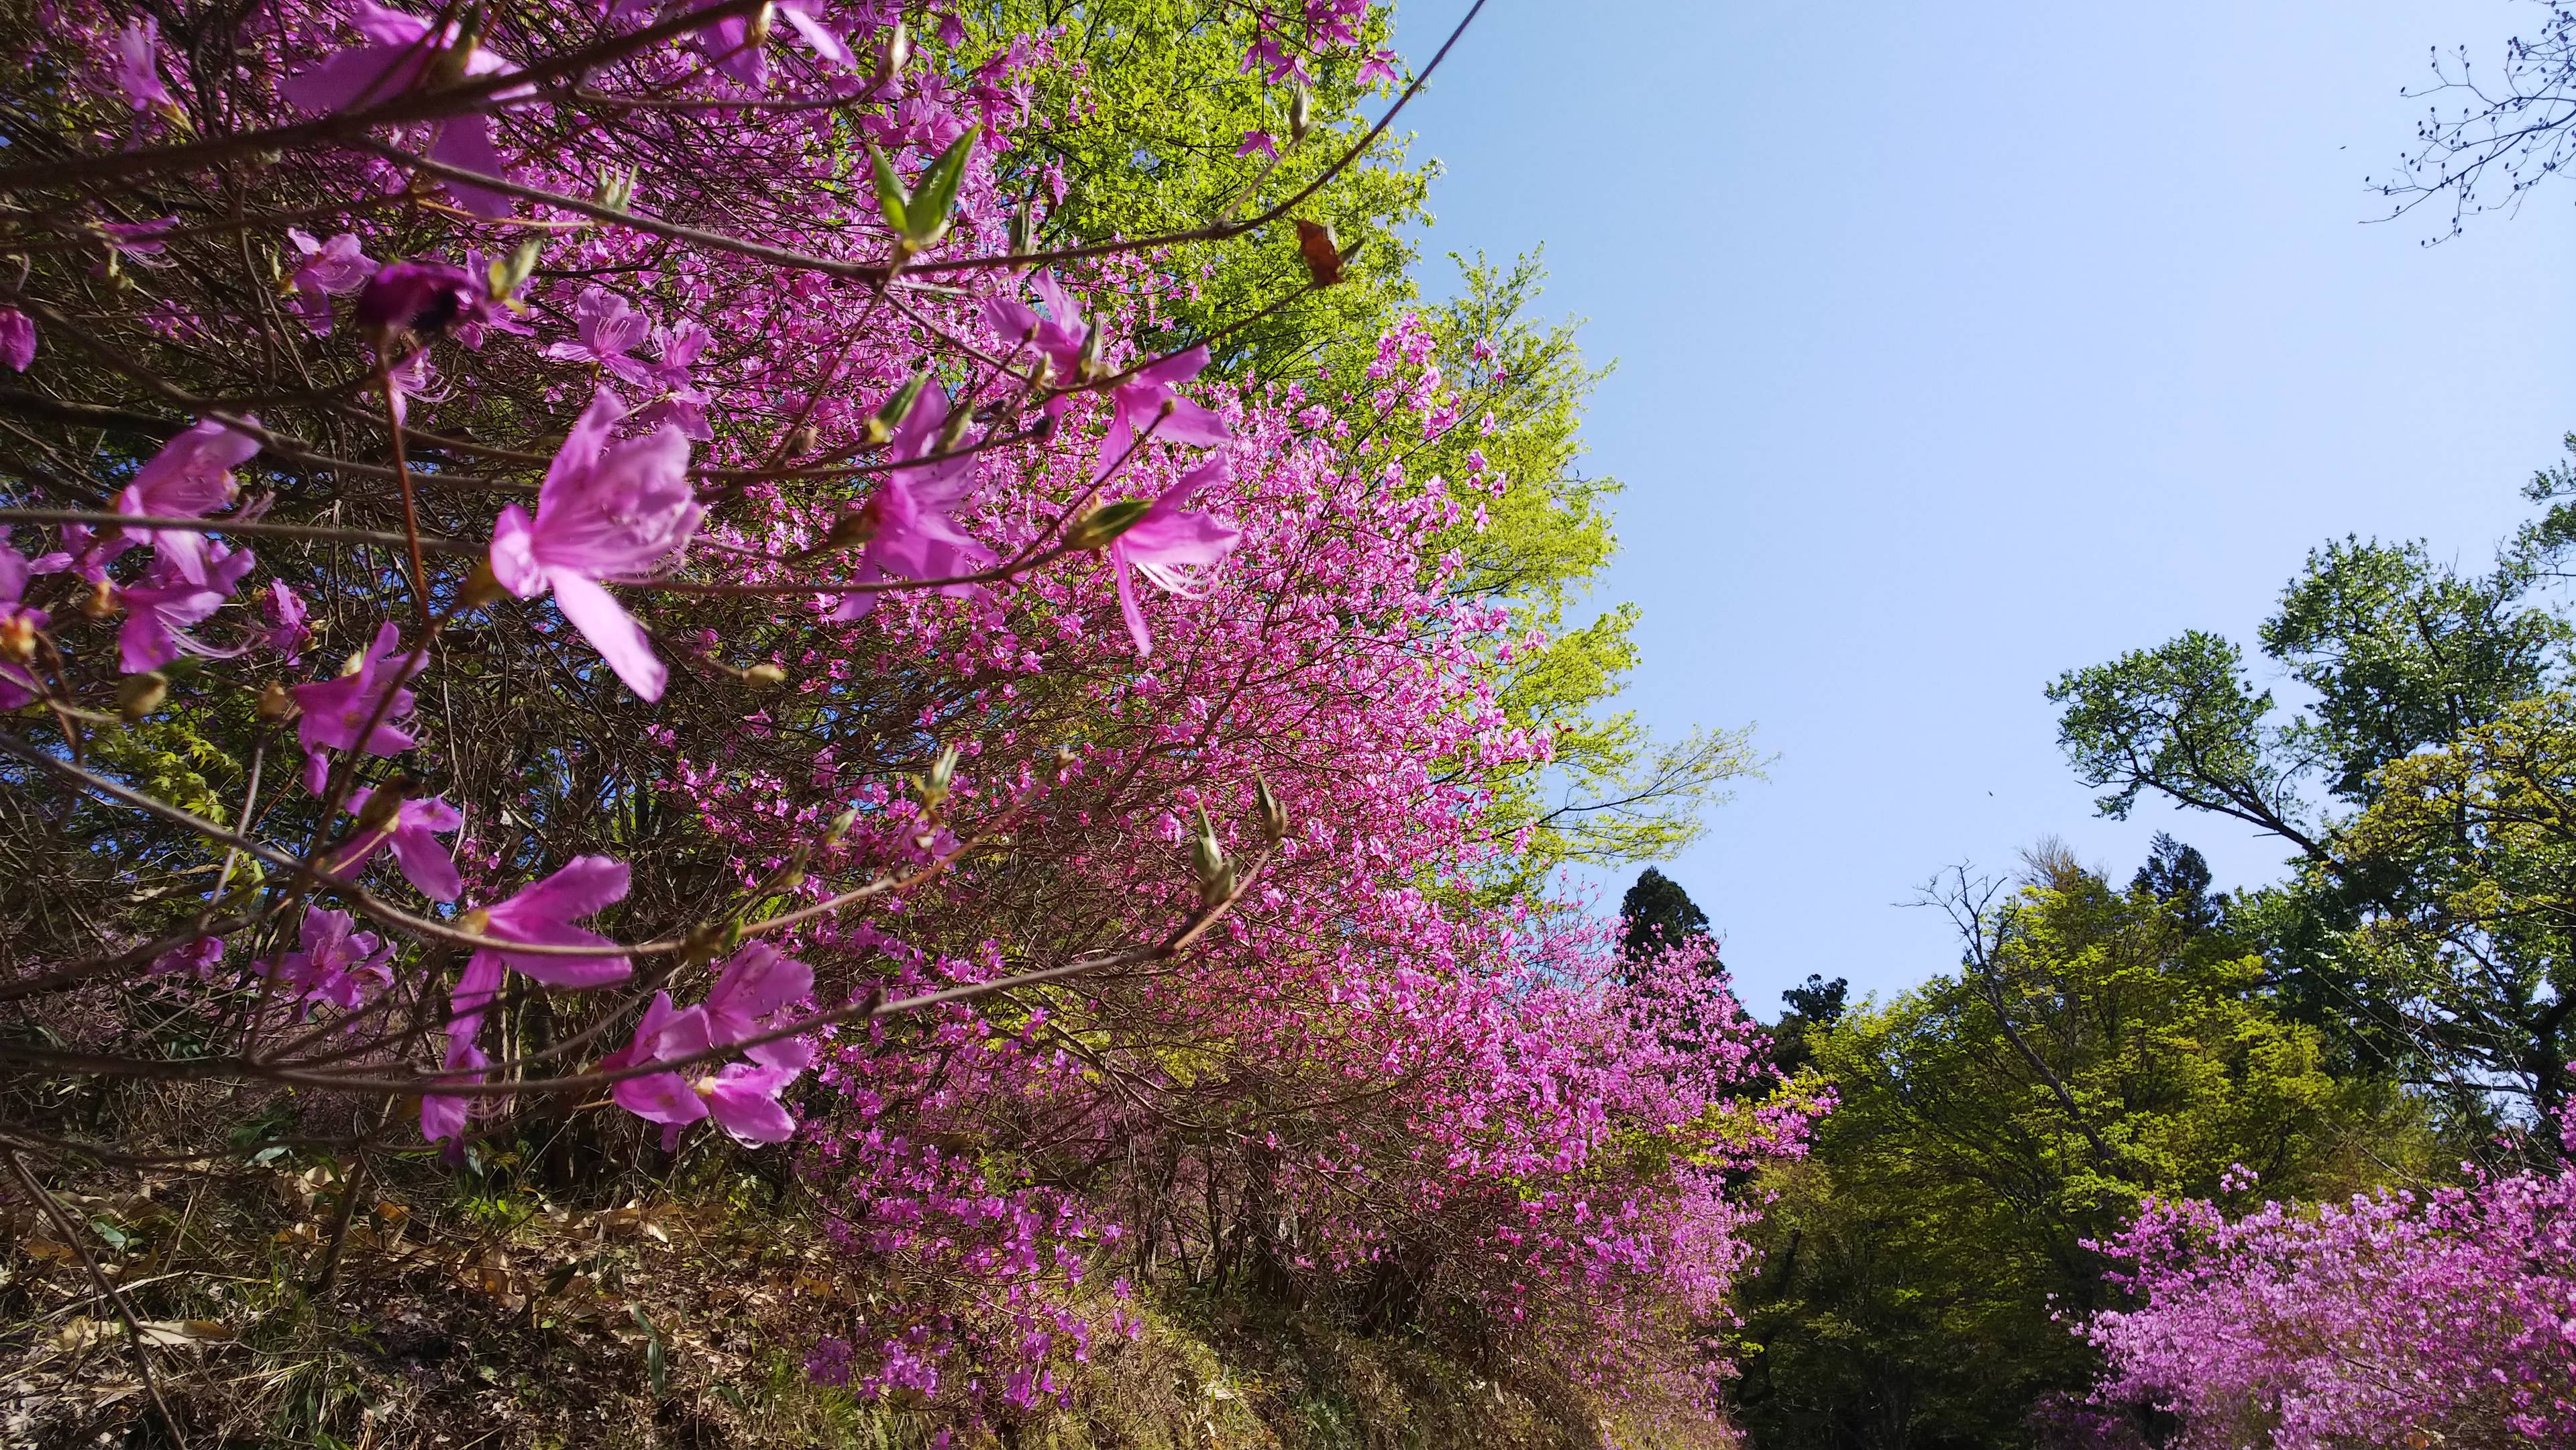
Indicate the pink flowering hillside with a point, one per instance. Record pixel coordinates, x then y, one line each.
707 739
2392 1319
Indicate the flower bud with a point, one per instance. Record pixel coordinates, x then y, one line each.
705 942
448 64
892 53
482 587
100 601
1088 359
1207 862
18 638
1098 528
840 826
792 875
756 34
383 804
932 786
1274 816
764 676
616 189
952 434
1301 112
277 703
140 695
852 530
1323 256
897 406
504 275
802 441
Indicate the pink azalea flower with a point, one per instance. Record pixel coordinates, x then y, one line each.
1137 403
338 963
288 634
397 54
443 1118
662 1097
413 833
1057 334
1380 66
609 329
189 478
139 242
336 710
1258 141
916 534
731 46
159 610
329 268
605 511
17 339
543 915
137 68
684 406
742 1098
17 685
481 310
752 987
420 300
197 959
1176 550
676 351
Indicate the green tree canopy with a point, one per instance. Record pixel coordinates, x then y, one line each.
2094 1046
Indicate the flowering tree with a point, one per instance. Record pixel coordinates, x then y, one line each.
598 570
2396 1319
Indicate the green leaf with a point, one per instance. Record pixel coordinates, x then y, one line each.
892 199
927 216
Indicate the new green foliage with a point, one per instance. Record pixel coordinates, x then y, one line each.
2094 1046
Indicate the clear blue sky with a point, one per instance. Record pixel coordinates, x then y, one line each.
1961 344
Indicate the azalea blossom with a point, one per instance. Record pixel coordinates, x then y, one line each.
17 339
19 626
750 988
159 610
189 478
444 1117
337 964
287 634
1057 335
413 833
1177 551
684 404
742 1097
609 328
397 54
738 44
197 959
328 268
137 67
335 711
408 304
606 511
1258 142
915 533
543 915
1147 402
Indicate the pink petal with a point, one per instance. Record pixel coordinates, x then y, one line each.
466 142
514 553
612 631
1127 605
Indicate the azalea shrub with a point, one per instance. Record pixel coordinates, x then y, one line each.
609 571
2399 1318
